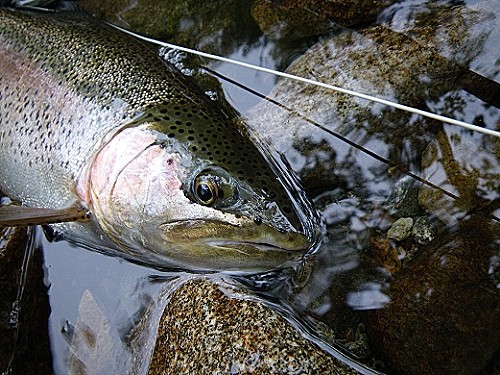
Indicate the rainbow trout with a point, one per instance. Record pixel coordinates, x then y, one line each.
91 117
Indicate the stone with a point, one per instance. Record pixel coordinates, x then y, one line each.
403 200
422 231
400 229
443 317
206 330
460 167
294 19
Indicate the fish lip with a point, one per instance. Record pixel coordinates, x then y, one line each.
261 244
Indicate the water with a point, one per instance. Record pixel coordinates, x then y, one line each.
357 277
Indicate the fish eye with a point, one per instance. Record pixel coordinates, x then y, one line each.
206 190
214 187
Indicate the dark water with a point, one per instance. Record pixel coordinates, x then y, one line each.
387 300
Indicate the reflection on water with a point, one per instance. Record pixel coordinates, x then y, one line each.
408 293
121 289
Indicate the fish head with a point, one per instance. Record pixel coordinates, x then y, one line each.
197 197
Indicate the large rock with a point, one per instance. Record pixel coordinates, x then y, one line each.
378 61
444 310
196 326
294 19
206 330
214 26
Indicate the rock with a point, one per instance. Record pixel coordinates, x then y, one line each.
459 33
216 26
93 342
471 173
444 314
206 330
374 61
403 199
385 254
422 231
294 19
400 229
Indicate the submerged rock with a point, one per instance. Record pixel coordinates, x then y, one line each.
444 314
403 199
199 325
215 26
400 229
377 61
205 329
423 230
294 19
462 33
468 171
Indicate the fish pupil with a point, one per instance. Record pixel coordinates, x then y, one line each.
204 193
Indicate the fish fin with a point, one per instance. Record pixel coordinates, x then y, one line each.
14 216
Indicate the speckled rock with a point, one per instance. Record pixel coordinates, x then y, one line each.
461 33
301 18
209 25
443 317
400 229
403 199
422 231
203 330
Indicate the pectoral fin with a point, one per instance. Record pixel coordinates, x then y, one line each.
14 216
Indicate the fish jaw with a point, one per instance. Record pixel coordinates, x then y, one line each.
135 191
246 246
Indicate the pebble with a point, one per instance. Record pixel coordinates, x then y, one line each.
422 231
403 200
400 229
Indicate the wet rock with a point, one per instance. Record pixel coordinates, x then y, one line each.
422 231
470 173
443 317
385 253
93 340
206 330
358 342
216 26
294 19
282 20
403 200
24 339
459 33
374 61
400 229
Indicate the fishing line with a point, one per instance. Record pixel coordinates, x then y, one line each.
330 87
333 133
374 155
316 83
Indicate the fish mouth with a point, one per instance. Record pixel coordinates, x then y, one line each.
240 237
261 246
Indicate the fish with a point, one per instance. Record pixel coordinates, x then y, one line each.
96 127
